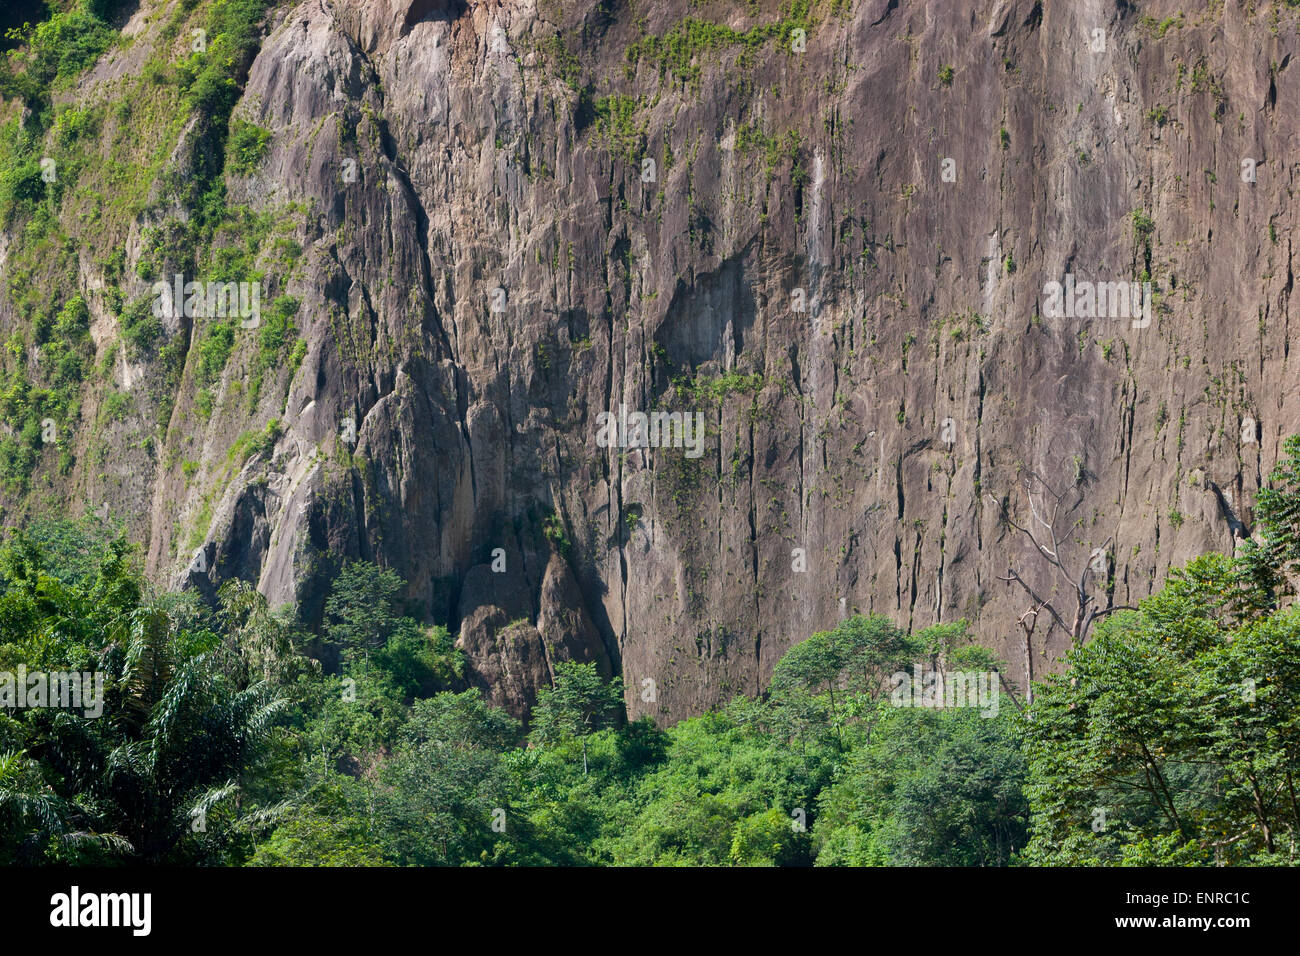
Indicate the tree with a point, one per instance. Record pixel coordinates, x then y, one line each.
258 643
361 612
729 792
931 788
1048 531
1269 564
447 783
577 704
1174 737
315 838
151 779
767 838
837 676
419 661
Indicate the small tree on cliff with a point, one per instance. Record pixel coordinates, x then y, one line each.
1269 565
362 612
579 703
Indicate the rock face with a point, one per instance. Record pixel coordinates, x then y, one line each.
826 229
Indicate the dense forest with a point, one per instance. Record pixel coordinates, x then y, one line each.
232 735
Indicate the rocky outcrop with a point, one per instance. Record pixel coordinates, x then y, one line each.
517 215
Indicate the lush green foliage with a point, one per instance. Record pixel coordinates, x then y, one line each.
1172 738
188 716
389 758
248 143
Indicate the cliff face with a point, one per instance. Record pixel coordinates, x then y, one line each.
825 227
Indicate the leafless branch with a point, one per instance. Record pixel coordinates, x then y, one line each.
1042 533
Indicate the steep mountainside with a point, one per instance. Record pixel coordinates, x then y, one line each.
825 226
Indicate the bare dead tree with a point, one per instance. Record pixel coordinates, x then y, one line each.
1045 532
1028 621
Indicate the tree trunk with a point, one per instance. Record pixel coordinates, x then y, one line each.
1029 667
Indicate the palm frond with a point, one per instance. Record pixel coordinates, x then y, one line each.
84 840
